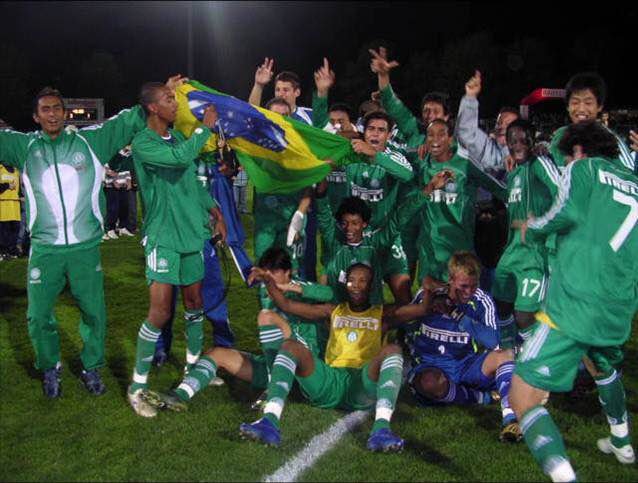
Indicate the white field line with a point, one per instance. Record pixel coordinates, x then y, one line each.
316 448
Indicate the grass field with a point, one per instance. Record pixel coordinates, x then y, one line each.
81 437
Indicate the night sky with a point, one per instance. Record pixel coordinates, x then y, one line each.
148 41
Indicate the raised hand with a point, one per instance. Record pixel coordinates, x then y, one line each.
264 72
633 140
379 63
210 116
324 78
473 86
438 181
175 81
359 146
422 151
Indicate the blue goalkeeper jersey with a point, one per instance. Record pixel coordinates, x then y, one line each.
448 338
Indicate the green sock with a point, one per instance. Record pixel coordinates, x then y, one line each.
281 378
197 378
507 332
611 394
194 335
146 339
388 390
270 337
546 444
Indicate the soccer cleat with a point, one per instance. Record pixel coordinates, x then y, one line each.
160 358
93 382
511 433
51 383
216 381
385 440
164 401
260 402
261 430
112 235
141 407
625 454
124 231
105 237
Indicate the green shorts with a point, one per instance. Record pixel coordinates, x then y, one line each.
549 359
433 263
394 260
520 279
339 387
167 266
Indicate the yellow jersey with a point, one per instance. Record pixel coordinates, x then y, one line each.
9 200
355 337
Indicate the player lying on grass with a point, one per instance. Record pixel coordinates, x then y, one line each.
274 325
591 299
448 366
521 273
358 372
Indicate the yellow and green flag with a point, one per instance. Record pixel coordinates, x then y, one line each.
280 155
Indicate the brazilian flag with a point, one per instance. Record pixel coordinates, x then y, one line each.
280 155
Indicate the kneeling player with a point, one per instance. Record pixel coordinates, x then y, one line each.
448 369
357 371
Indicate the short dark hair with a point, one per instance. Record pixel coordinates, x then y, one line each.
353 206
369 106
587 80
278 101
377 115
147 94
46 92
343 107
510 109
360 265
449 125
288 76
439 98
525 125
275 258
592 137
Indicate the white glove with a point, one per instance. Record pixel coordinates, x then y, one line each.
295 227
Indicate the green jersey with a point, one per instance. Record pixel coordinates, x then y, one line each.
407 123
625 159
531 188
62 178
448 217
174 200
596 266
377 182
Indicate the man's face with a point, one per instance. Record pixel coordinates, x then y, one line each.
503 120
287 91
340 120
518 144
431 111
583 106
377 133
281 276
165 105
50 115
353 226
438 140
282 109
462 287
358 285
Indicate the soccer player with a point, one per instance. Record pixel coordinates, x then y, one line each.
174 231
586 93
447 221
520 280
357 372
62 171
590 301
449 369
274 326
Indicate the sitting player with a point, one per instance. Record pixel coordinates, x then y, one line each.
448 368
520 280
274 325
357 372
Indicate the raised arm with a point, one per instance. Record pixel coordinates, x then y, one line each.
396 315
324 80
263 76
316 312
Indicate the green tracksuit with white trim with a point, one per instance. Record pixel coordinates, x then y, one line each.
65 213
